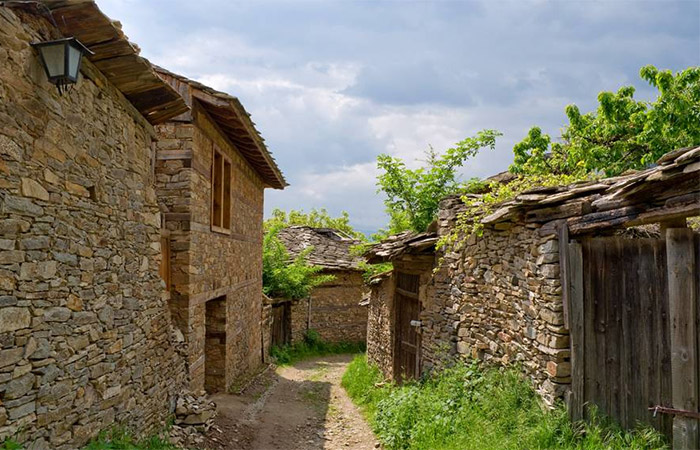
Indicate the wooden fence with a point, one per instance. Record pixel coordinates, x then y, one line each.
633 316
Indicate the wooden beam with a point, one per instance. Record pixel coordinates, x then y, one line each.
564 274
576 329
680 251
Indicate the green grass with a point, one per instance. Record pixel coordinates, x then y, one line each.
312 346
10 444
467 408
120 439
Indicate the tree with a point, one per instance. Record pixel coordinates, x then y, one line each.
316 218
623 133
413 195
287 277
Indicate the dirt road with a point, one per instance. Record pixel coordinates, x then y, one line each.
297 407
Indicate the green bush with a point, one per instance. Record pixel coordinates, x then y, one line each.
121 439
311 346
287 277
466 407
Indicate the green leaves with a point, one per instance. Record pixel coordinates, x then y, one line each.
316 218
623 133
413 195
284 276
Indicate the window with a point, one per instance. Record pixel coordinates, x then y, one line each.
165 258
221 192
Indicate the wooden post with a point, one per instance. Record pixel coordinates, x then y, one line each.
564 269
682 309
576 331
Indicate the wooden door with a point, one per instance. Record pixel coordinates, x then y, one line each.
621 349
281 324
407 345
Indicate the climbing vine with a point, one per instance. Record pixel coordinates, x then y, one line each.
479 206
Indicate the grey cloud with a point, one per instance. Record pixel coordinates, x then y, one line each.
318 77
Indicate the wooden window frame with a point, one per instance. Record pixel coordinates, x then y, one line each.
165 267
221 209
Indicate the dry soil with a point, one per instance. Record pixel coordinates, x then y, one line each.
295 407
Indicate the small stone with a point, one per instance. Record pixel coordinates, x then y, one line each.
13 319
43 270
33 189
77 189
10 356
19 387
57 314
462 347
74 303
22 410
51 177
11 257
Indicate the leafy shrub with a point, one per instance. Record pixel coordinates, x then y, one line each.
311 346
288 277
466 407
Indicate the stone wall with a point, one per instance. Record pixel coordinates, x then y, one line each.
380 336
205 264
85 331
498 299
336 313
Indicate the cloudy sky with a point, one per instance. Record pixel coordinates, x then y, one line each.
331 84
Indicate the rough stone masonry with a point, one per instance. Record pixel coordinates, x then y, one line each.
85 331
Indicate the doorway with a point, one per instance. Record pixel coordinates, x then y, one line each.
215 345
407 344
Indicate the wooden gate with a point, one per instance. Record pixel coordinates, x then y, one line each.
624 314
407 345
281 324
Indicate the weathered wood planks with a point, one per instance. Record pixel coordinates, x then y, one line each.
683 318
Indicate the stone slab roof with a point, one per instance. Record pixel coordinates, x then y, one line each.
668 191
233 121
331 248
114 56
408 242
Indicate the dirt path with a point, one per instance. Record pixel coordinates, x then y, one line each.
297 407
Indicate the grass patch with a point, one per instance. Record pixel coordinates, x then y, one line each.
311 346
120 439
9 444
469 408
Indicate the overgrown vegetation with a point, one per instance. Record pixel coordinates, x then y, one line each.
467 407
312 346
284 276
10 444
413 195
316 218
623 133
121 439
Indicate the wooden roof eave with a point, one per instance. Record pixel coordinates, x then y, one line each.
226 112
117 59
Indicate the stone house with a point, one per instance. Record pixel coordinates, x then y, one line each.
507 297
333 309
86 337
212 168
396 302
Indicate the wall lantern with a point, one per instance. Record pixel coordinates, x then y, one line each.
61 60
